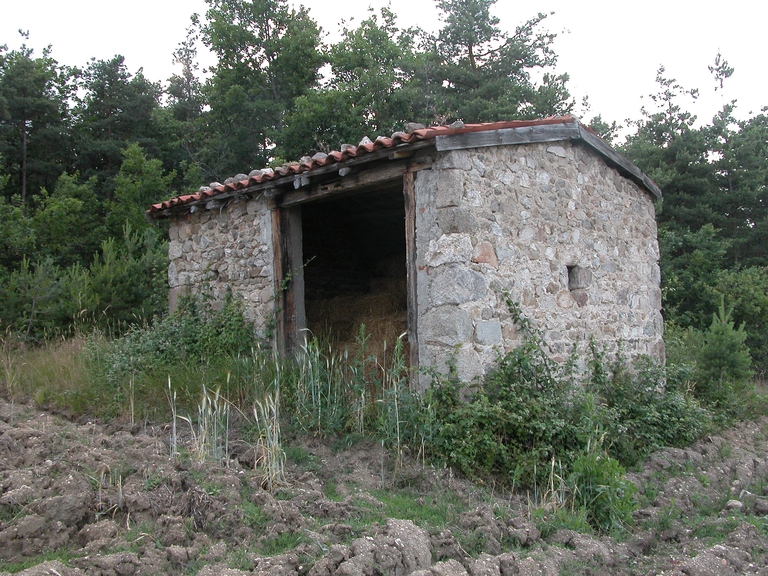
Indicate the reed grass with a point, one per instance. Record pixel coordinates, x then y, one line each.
271 457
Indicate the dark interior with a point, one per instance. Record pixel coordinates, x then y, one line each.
355 271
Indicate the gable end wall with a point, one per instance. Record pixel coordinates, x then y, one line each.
515 218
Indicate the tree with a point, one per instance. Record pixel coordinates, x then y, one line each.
713 221
690 265
140 182
487 74
68 222
181 121
747 291
116 109
383 77
724 359
742 185
185 96
267 57
715 174
365 95
33 119
17 235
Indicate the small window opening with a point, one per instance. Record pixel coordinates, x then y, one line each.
579 281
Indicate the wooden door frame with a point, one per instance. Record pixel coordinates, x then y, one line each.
290 329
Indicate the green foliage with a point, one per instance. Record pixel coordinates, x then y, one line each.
724 360
267 57
115 109
529 411
383 77
689 271
333 394
194 333
746 290
28 295
34 136
599 487
366 94
713 220
487 74
561 518
124 284
140 182
66 228
17 235
642 408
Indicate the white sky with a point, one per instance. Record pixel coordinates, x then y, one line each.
611 49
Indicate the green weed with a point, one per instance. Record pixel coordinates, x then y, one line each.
598 487
281 543
253 515
302 457
64 555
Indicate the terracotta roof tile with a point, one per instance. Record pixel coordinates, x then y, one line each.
347 151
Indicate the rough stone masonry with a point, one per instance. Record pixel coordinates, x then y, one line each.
567 236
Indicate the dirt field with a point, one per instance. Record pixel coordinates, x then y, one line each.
106 499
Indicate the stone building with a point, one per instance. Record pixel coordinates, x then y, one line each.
424 232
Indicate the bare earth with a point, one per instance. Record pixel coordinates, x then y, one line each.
89 498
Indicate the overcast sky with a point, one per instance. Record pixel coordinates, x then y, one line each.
611 49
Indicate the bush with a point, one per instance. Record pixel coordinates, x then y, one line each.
194 334
598 486
746 290
724 359
125 284
530 411
641 409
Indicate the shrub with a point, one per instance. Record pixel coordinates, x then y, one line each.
598 486
529 411
724 359
124 284
746 290
641 409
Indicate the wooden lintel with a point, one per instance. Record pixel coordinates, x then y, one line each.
418 167
399 154
389 171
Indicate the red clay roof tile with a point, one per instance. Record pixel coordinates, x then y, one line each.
366 146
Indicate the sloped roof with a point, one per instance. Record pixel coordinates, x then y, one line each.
415 135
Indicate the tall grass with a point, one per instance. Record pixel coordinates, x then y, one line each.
321 396
210 433
9 358
57 373
527 414
271 457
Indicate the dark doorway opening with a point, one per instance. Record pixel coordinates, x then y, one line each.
355 268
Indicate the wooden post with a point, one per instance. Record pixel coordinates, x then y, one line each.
279 265
289 279
410 260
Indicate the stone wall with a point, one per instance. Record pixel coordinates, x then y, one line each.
212 251
572 241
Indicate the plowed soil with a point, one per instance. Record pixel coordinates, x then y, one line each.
107 499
